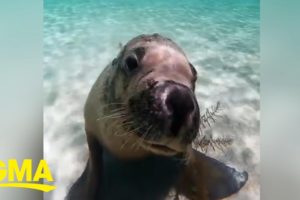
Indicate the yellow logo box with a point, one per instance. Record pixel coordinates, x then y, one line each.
13 175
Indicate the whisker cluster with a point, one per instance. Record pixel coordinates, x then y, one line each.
123 123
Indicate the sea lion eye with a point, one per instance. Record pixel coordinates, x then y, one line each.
131 63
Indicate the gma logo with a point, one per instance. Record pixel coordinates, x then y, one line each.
11 175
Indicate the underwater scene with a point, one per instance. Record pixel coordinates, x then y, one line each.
221 40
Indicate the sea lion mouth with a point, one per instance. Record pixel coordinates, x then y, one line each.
164 146
159 148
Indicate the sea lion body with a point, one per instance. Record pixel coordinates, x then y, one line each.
141 117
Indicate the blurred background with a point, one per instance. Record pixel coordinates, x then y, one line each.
220 38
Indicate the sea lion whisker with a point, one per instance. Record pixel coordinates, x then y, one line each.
126 121
126 124
119 126
134 146
125 128
108 115
116 109
115 115
121 109
133 130
125 143
142 138
130 134
110 104
147 132
121 134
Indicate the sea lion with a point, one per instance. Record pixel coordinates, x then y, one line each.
141 117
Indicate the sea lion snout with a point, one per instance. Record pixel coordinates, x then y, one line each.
179 109
170 109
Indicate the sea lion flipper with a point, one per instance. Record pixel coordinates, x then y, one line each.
222 180
208 178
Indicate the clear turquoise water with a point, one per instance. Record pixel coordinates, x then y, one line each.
221 38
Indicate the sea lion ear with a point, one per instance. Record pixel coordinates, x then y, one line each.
207 178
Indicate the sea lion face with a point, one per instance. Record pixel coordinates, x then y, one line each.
156 89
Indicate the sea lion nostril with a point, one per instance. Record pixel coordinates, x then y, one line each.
180 103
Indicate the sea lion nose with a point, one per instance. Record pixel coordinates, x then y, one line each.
180 104
178 107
